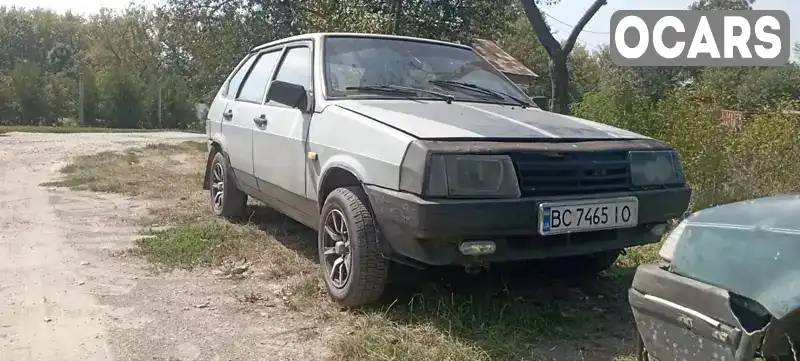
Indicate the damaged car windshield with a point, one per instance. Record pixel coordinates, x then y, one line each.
353 63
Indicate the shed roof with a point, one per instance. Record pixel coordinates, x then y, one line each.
500 59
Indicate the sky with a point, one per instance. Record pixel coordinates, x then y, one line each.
596 31
561 16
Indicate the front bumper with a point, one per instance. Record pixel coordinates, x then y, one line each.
416 230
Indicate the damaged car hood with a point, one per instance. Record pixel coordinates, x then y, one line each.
750 248
437 119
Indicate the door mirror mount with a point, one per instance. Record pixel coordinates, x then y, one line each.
293 95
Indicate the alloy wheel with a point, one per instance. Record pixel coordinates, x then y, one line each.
217 186
336 249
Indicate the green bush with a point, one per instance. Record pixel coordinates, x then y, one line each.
723 164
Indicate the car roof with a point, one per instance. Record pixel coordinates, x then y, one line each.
320 36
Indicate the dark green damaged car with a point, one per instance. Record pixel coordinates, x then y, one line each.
728 287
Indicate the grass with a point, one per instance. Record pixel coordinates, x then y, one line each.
187 245
507 314
72 129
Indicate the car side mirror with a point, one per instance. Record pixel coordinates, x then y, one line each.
289 94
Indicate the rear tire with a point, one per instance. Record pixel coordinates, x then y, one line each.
227 201
354 271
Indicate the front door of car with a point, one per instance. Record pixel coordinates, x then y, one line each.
249 105
279 143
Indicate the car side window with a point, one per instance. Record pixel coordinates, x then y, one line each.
236 79
256 83
296 67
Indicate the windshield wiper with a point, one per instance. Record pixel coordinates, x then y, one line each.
480 89
401 90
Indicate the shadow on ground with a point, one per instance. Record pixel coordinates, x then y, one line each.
290 233
524 310
516 311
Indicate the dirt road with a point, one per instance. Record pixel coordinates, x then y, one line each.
69 291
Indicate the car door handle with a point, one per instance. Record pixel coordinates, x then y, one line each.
228 115
260 120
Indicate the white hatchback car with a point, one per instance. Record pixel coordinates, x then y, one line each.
420 152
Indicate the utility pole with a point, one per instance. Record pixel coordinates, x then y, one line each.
81 99
158 84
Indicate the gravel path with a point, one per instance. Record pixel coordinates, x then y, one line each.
68 291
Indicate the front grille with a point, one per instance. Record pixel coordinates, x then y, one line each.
544 173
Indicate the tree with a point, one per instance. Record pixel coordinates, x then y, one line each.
6 98
558 54
796 51
750 89
28 84
91 98
647 83
520 42
122 102
722 5
61 96
177 109
458 21
585 71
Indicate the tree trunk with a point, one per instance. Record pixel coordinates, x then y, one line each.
398 8
559 81
559 73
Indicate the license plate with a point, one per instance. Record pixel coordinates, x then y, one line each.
587 215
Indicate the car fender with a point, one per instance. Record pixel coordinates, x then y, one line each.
219 139
374 159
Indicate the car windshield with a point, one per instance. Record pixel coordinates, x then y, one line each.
354 66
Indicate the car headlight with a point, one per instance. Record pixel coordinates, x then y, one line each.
471 175
655 168
667 250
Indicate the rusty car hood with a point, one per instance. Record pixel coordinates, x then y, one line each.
750 248
428 119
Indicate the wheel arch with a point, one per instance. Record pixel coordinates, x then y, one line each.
214 147
341 173
337 176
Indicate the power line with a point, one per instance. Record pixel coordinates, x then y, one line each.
573 26
590 46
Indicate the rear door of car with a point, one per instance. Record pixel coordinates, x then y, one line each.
215 116
238 123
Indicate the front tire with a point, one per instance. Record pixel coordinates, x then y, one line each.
354 271
227 201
